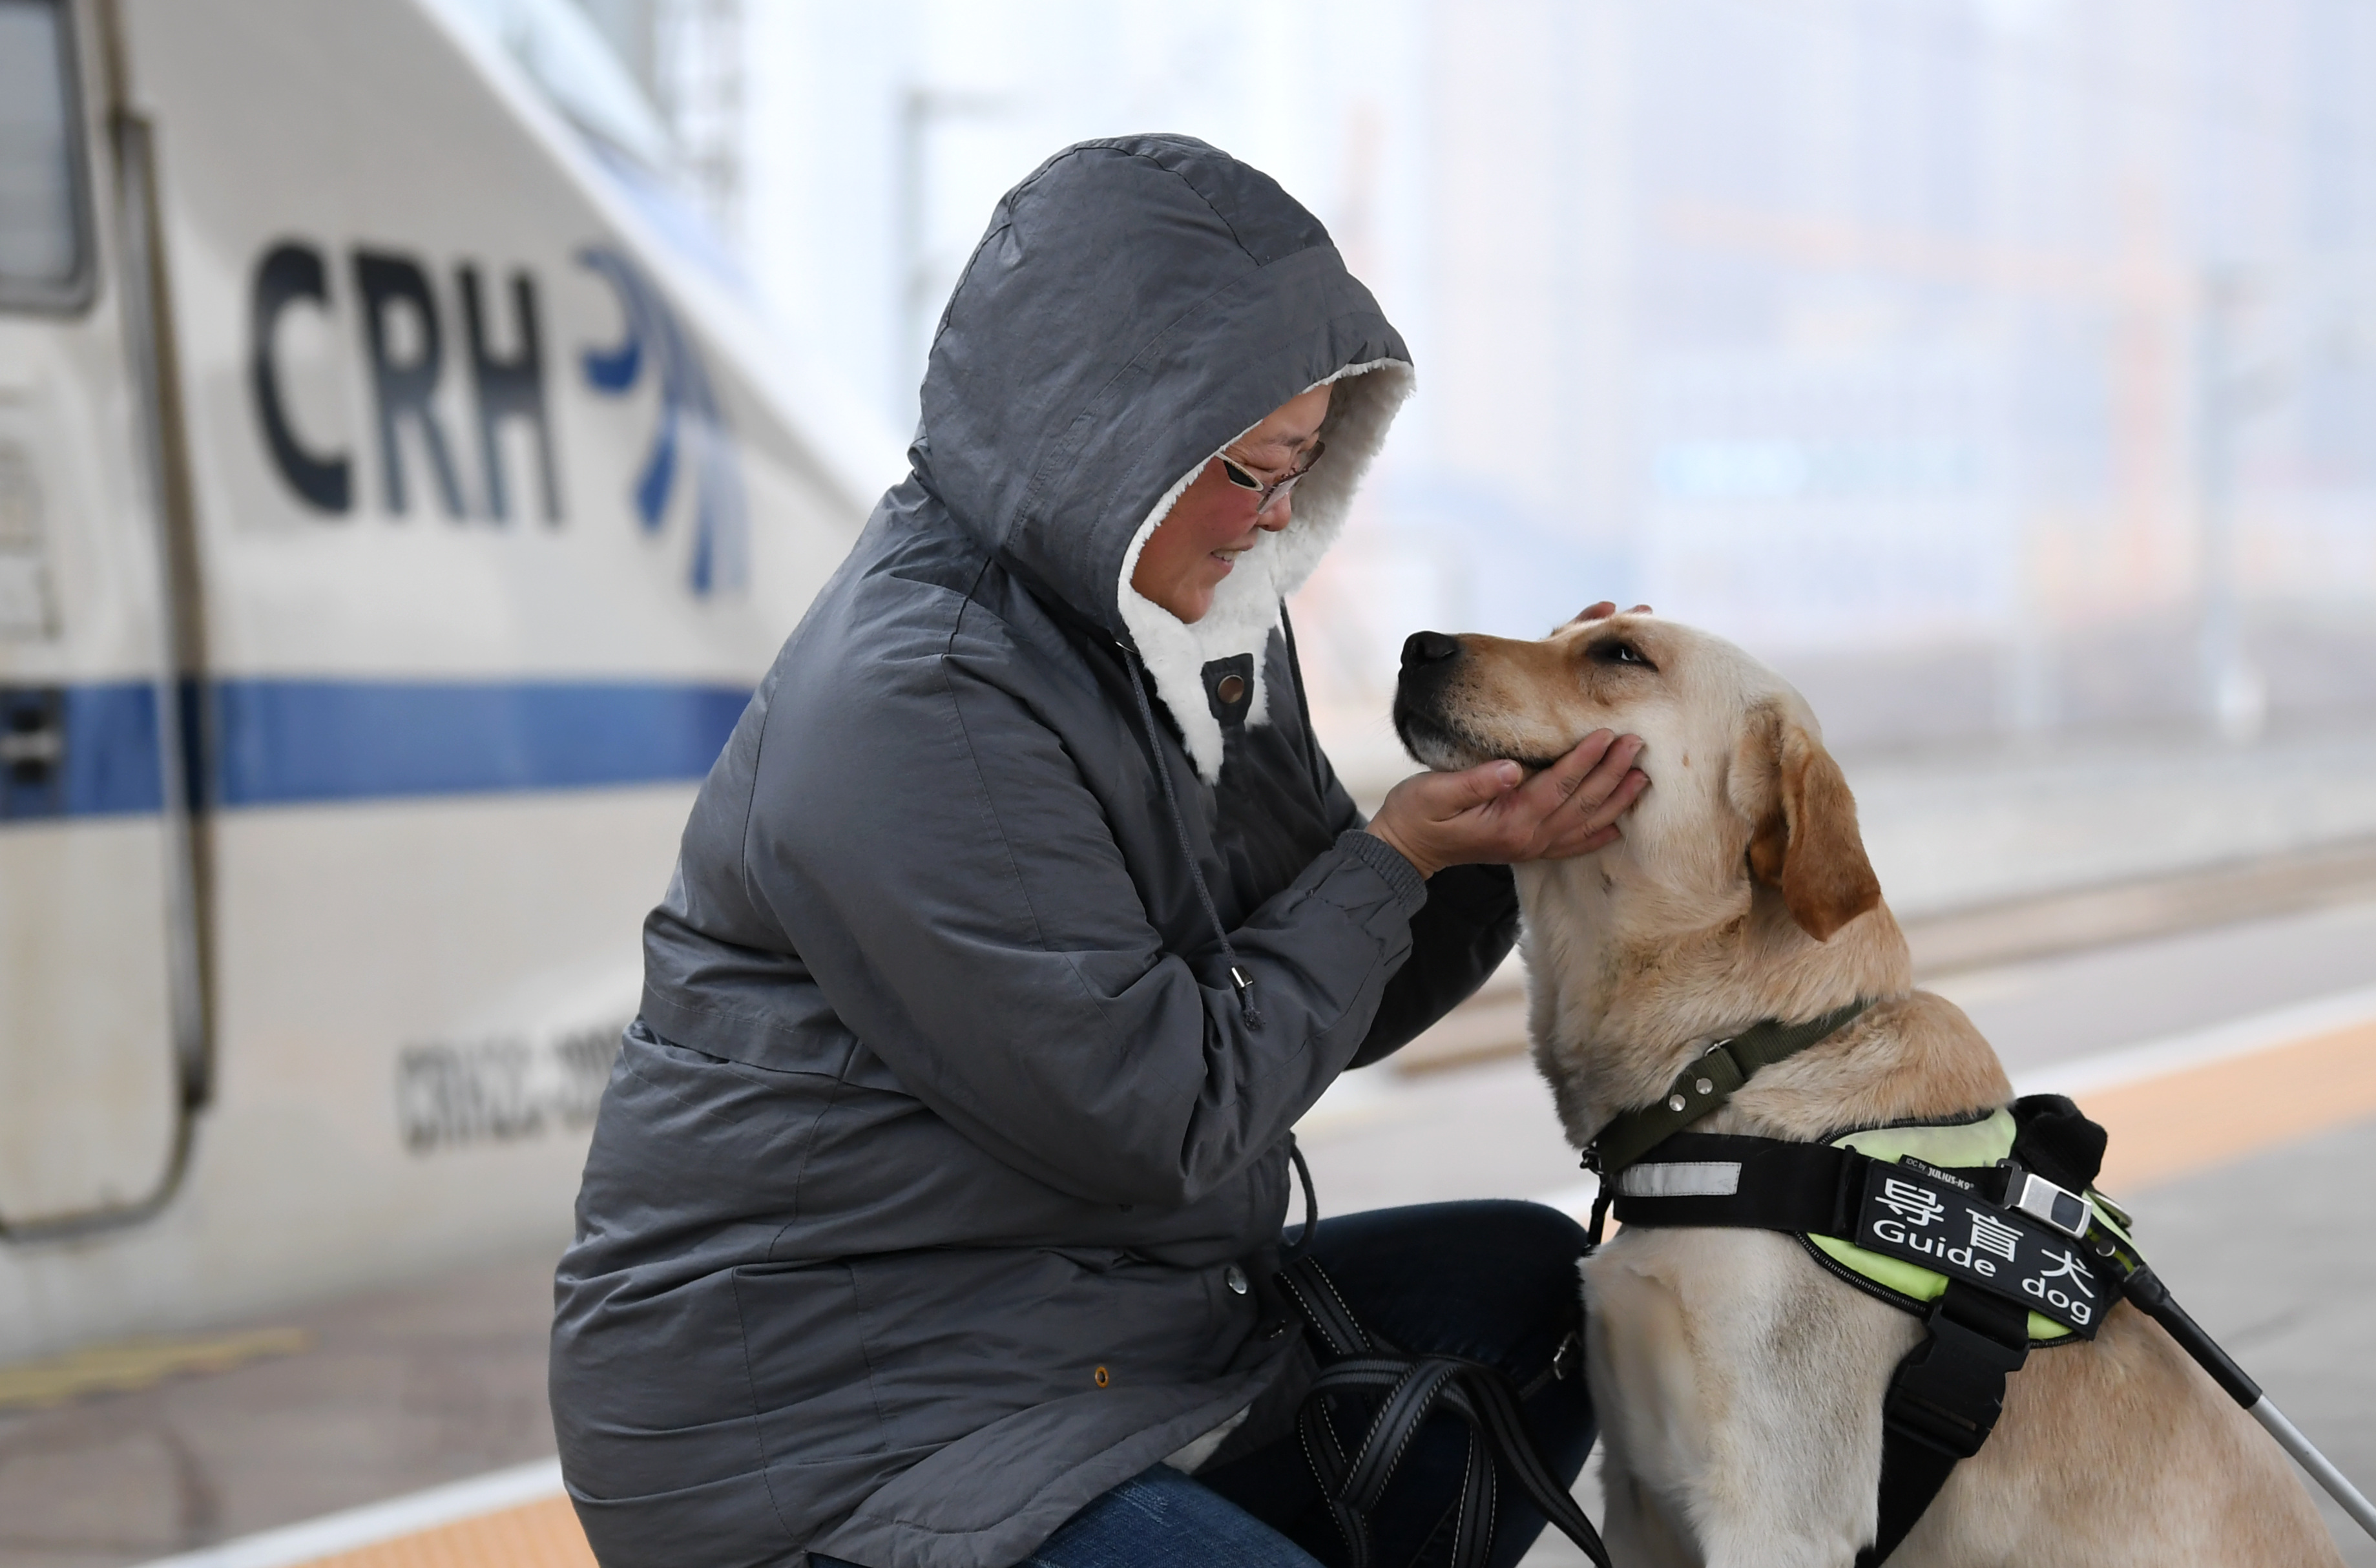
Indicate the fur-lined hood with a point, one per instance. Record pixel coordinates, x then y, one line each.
1137 305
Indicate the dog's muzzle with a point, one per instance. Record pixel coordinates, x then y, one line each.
1426 700
1430 662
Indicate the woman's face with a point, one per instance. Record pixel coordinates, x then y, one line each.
1213 522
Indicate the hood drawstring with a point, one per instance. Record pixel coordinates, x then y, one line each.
1302 1243
1238 979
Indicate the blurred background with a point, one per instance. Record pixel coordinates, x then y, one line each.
2003 371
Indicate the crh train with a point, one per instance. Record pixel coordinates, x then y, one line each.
397 505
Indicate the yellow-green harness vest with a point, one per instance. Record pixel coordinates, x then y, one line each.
1951 1146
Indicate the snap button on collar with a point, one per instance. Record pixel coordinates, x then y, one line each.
1236 1279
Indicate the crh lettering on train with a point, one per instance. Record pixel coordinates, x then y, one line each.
409 354
403 338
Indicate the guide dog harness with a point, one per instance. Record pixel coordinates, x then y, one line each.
1986 1227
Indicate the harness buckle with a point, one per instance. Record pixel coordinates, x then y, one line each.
2040 1199
1949 1390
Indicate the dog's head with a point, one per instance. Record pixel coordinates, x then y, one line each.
1743 792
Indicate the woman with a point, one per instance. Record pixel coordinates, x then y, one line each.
933 1201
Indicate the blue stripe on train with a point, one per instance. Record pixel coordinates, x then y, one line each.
107 762
295 742
280 743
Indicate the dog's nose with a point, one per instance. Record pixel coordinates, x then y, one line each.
1427 648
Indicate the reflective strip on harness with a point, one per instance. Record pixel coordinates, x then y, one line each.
1681 1179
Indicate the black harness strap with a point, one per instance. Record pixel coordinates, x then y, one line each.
1734 1182
1942 1405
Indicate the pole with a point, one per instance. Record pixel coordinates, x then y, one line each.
921 110
2233 698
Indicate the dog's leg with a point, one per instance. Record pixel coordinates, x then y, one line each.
1640 1532
1797 1445
1640 1370
1742 1390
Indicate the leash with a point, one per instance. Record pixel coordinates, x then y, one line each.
1356 1362
2039 1246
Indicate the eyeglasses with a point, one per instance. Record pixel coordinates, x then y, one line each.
1245 479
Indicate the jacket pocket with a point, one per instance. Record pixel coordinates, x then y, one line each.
812 1391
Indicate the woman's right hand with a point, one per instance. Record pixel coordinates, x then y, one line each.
1494 815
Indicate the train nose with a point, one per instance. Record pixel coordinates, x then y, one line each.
1423 648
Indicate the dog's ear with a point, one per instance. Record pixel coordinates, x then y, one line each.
1806 842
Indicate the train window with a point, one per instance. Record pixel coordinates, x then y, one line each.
45 260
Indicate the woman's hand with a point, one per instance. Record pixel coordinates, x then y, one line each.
1494 815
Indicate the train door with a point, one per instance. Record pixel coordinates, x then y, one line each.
99 1028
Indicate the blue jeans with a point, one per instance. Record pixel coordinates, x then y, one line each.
1493 1281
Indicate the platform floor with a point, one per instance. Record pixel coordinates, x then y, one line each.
384 1395
398 1390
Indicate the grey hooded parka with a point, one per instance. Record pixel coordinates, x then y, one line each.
925 1195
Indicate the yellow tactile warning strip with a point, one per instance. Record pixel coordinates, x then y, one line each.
136 1363
2185 1120
535 1535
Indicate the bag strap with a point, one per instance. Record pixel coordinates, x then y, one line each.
1409 1389
1496 1414
1324 1311
1302 1243
1354 1484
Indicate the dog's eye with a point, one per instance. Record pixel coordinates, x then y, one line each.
1616 650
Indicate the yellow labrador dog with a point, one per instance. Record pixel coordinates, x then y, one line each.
1740 1385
